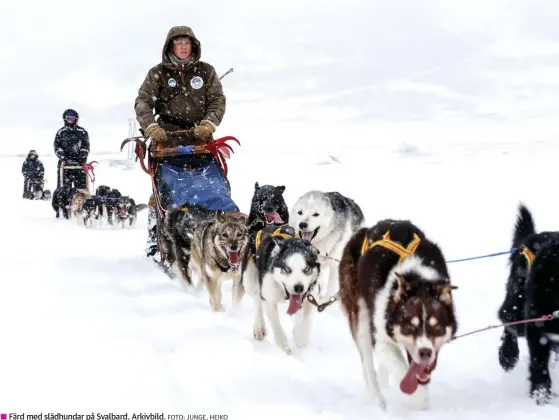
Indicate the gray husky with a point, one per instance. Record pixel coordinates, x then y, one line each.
327 220
218 247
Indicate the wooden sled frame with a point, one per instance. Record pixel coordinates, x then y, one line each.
64 167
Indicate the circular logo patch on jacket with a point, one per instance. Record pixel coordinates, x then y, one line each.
172 82
196 82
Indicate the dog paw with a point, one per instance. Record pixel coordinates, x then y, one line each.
542 395
282 344
260 333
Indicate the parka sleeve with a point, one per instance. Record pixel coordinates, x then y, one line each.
147 97
58 149
85 142
215 97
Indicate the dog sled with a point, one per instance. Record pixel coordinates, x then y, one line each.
34 190
86 168
178 185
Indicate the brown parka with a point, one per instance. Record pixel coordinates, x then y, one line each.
181 96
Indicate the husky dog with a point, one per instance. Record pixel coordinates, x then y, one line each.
62 200
327 219
267 207
109 205
78 201
285 268
92 210
218 248
177 232
396 293
102 190
127 210
531 292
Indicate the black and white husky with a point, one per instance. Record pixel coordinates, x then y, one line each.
285 268
327 220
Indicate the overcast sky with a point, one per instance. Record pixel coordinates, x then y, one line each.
293 59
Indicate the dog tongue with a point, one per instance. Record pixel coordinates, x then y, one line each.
409 384
307 236
274 218
295 303
233 257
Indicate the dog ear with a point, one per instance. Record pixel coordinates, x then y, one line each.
445 292
403 287
280 189
315 251
256 186
242 218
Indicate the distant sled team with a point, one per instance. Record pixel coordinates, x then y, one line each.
106 205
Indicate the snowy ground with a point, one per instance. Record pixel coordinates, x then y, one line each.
90 325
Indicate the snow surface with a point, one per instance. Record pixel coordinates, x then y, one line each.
440 112
91 324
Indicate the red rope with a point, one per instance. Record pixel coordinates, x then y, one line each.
543 318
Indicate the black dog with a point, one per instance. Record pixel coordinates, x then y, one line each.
62 200
532 291
267 208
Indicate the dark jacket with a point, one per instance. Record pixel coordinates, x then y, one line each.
33 167
71 144
181 96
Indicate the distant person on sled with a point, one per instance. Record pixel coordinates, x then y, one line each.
33 171
182 93
71 146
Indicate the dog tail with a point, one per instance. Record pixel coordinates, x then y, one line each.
524 227
140 207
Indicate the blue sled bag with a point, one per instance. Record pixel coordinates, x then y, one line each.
203 184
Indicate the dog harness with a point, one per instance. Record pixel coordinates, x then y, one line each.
388 243
528 254
276 232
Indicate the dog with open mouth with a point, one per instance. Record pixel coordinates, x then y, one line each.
218 247
267 207
396 293
327 220
285 268
127 210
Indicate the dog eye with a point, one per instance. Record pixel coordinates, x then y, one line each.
300 212
307 270
316 214
286 270
225 235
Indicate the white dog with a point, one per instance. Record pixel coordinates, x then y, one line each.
328 220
